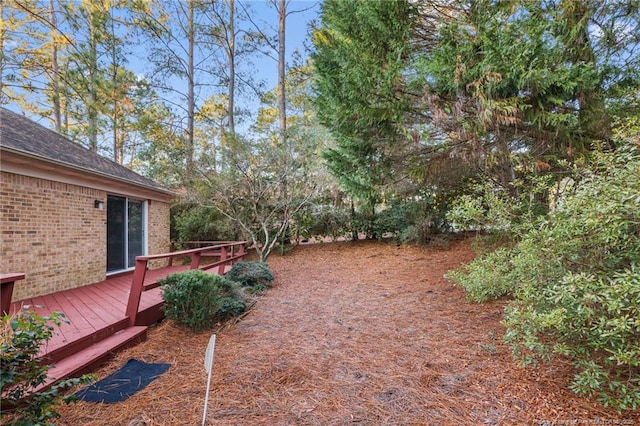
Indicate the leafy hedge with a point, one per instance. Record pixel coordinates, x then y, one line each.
575 283
200 223
255 275
198 300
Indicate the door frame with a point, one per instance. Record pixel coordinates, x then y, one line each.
125 245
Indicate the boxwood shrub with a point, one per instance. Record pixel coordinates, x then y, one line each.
254 275
198 300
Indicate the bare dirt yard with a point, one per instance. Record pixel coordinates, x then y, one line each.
363 333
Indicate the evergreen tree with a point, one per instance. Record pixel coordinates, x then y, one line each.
519 85
361 52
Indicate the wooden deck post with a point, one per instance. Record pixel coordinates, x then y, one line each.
172 248
223 256
195 260
137 283
7 281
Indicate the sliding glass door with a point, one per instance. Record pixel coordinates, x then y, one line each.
125 232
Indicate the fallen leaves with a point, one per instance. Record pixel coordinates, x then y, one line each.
351 333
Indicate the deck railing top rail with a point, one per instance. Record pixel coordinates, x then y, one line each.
227 252
188 252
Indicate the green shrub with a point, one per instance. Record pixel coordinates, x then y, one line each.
468 212
407 221
255 275
493 208
488 277
321 221
198 300
575 281
23 335
200 223
593 321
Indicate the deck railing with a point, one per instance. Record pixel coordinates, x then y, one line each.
227 253
186 245
7 281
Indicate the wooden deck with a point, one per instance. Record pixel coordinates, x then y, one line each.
91 308
97 324
102 317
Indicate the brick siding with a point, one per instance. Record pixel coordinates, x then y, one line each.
52 232
158 228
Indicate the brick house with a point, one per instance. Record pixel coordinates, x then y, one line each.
69 217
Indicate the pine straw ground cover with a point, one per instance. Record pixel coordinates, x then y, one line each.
360 333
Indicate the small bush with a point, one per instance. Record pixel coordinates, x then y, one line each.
407 221
198 300
321 221
488 277
255 275
493 208
22 370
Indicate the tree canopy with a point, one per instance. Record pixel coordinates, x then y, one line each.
360 54
500 86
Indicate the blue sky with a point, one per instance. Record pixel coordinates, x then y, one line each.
300 14
297 27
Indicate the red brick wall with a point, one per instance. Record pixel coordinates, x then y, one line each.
52 232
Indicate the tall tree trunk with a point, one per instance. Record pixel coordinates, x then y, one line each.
594 120
190 90
118 141
118 153
505 168
64 101
65 110
354 229
3 31
55 77
232 69
282 101
92 104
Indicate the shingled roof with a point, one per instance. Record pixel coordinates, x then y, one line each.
21 135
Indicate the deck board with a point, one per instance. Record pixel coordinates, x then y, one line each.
39 304
95 302
72 330
106 293
118 287
88 315
94 312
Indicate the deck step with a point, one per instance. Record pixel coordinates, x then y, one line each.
94 355
74 346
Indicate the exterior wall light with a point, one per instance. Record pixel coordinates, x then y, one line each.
98 204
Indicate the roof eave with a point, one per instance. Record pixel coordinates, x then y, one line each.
86 170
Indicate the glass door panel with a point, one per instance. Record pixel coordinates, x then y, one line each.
125 232
116 235
135 231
